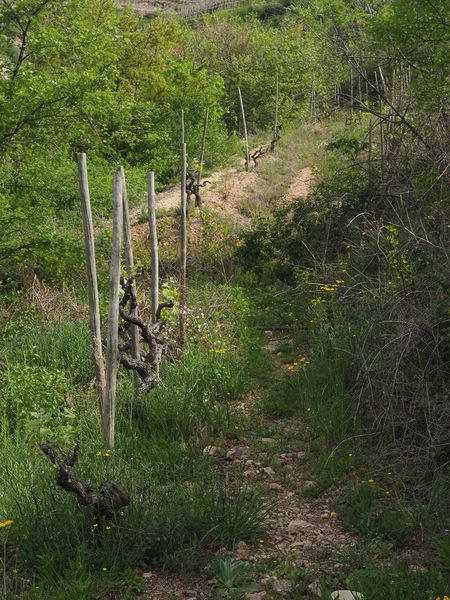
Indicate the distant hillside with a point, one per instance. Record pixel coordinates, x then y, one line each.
184 7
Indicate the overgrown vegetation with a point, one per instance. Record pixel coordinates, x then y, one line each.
357 274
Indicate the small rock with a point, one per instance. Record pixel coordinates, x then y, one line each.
314 589
269 471
275 486
256 596
242 551
212 451
237 452
297 525
282 586
268 440
346 595
148 575
301 454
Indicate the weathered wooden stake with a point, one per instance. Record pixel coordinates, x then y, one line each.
129 263
182 127
202 153
154 258
244 125
94 305
351 94
112 350
183 246
275 123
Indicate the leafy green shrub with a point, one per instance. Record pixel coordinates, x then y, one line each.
36 401
63 346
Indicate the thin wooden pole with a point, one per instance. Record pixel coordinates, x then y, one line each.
275 123
202 153
351 94
129 263
244 125
182 127
183 244
112 346
94 304
154 259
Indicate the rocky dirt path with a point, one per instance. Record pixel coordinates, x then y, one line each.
225 194
301 528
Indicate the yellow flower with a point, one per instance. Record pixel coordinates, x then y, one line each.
350 454
6 523
261 541
108 527
333 515
98 453
388 493
370 481
95 525
339 282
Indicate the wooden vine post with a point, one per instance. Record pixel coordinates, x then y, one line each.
154 258
183 246
129 264
94 305
202 152
112 345
276 132
244 125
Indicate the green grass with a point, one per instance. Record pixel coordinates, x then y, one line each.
181 509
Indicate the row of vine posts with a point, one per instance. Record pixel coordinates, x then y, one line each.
123 340
127 332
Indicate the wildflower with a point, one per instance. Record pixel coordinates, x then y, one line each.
317 301
104 569
370 481
328 288
95 525
388 493
350 454
333 515
261 541
14 572
274 562
339 282
308 409
294 550
98 453
6 523
108 528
